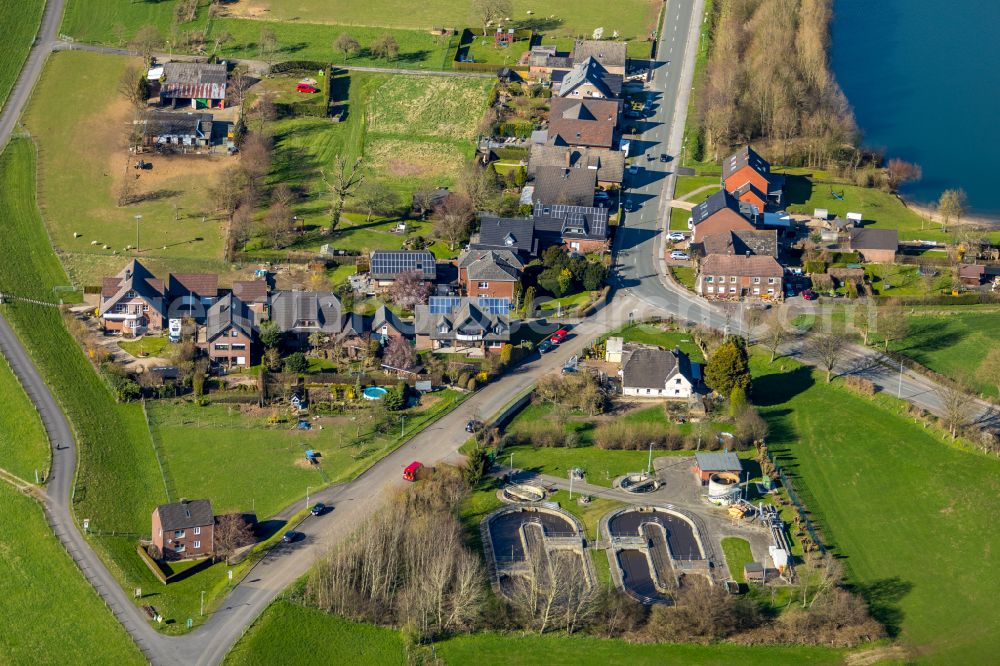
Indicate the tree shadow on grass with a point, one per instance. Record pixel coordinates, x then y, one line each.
798 189
780 387
883 597
931 336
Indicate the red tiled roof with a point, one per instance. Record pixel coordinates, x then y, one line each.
250 291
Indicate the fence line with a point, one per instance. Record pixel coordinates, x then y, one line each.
168 485
799 506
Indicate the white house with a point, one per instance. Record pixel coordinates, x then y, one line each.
650 372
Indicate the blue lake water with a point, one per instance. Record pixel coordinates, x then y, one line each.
923 77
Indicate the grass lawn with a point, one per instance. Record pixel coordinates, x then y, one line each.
115 22
288 633
76 116
953 344
19 21
904 280
567 304
24 446
649 334
684 275
898 504
241 463
679 219
148 345
881 210
737 553
687 184
633 19
50 613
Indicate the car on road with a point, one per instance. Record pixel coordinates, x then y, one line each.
544 346
306 88
809 295
318 509
650 157
633 169
677 255
290 536
412 470
664 157
568 369
473 425
676 236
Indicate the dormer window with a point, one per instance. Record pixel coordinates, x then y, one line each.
130 294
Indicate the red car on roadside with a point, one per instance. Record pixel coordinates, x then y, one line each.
306 88
559 336
809 295
412 470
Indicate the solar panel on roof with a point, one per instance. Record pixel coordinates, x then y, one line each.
398 261
443 304
495 306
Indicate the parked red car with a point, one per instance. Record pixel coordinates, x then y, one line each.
559 336
412 470
809 295
306 88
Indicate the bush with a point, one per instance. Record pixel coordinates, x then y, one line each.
636 436
471 384
860 385
814 266
296 363
541 434
463 379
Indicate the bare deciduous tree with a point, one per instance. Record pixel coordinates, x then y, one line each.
828 348
956 407
452 219
134 88
346 45
892 324
951 205
386 47
399 354
491 12
267 45
231 533
345 179
774 332
145 41
277 224
377 198
900 171
409 289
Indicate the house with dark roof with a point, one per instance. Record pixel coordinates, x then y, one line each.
747 176
545 59
184 529
191 294
230 335
386 325
387 265
133 302
878 246
167 128
588 122
733 277
516 234
707 463
579 228
200 84
464 325
609 165
254 293
301 313
610 55
717 214
976 275
651 372
490 273
564 185
589 79
753 241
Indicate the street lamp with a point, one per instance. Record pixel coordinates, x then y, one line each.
137 218
307 496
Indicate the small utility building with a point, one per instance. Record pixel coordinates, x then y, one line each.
713 462
198 84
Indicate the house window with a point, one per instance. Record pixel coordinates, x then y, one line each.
145 308
234 333
178 534
385 329
756 280
732 290
710 289
484 285
120 307
130 294
756 290
221 347
197 530
770 280
197 544
239 347
677 392
648 391
179 548
709 278
732 279
677 381
770 291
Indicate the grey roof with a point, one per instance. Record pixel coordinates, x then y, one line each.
590 71
716 461
387 264
385 316
563 185
578 221
185 514
746 156
165 123
545 55
609 164
306 311
491 264
608 53
510 233
763 242
649 367
193 80
134 277
465 318
714 204
874 239
229 311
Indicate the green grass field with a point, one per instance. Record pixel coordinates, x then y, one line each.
50 613
953 344
737 552
288 633
148 345
649 334
114 22
685 185
679 219
24 446
685 275
898 504
76 117
633 19
19 21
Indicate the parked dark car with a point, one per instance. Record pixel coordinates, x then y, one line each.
290 536
544 346
318 509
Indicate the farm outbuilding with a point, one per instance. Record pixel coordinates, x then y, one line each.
709 463
202 85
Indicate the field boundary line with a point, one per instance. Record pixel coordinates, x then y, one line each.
168 485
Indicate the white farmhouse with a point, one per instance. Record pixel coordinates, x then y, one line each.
650 372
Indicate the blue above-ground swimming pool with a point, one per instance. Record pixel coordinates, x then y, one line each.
374 393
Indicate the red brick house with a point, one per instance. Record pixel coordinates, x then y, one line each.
184 529
230 339
715 462
133 302
733 277
385 325
877 246
191 294
490 273
718 214
583 122
747 176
